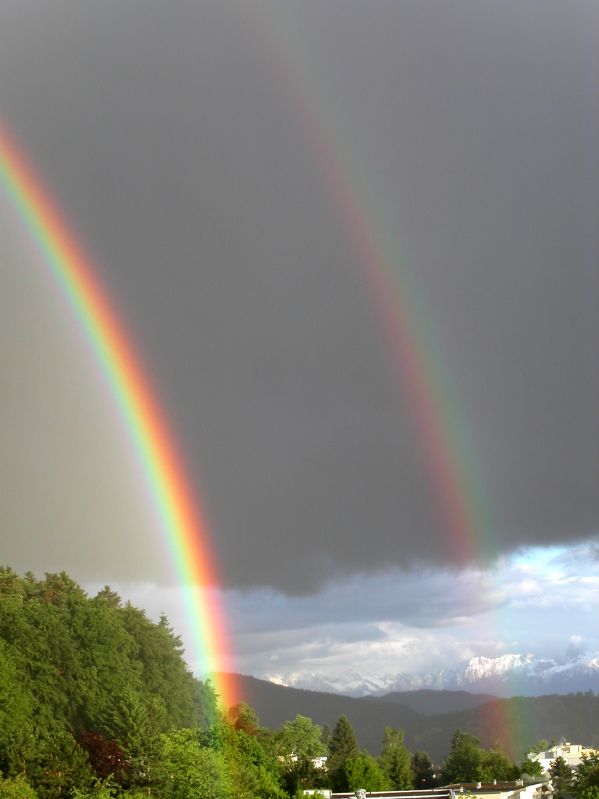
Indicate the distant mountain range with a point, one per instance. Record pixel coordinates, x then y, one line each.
431 717
504 676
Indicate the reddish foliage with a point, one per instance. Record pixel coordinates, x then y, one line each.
105 755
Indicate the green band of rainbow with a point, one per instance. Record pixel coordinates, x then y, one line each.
180 516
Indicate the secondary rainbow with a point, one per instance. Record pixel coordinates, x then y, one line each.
181 518
465 513
443 438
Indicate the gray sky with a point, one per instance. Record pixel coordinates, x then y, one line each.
184 141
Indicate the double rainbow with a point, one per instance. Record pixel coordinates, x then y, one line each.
181 518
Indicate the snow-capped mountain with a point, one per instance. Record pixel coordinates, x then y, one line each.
480 668
350 684
506 675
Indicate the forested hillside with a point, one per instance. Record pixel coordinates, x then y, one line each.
513 723
93 694
76 663
434 702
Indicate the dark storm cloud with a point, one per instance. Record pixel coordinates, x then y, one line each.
420 600
187 171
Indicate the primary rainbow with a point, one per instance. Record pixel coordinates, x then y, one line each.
180 516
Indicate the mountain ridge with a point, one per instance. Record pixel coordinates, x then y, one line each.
511 674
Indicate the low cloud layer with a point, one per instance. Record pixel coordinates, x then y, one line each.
188 166
531 602
543 601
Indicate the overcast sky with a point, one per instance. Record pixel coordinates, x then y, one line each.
224 163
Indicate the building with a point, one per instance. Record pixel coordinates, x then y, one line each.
571 753
318 762
501 790
478 790
432 793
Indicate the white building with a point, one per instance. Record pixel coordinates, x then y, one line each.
413 793
318 762
500 790
572 754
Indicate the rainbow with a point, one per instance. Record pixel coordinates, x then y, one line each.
455 475
184 526
420 371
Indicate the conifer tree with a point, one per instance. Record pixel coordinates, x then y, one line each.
561 778
342 746
396 760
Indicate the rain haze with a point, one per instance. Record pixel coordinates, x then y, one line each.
356 247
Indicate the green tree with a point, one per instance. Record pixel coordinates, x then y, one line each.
10 583
135 725
253 772
126 719
187 770
422 771
163 672
101 789
342 746
497 766
16 712
531 769
395 759
302 738
464 762
542 745
16 788
58 766
561 778
297 744
586 775
363 771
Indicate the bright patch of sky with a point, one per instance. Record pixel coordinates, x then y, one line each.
542 600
